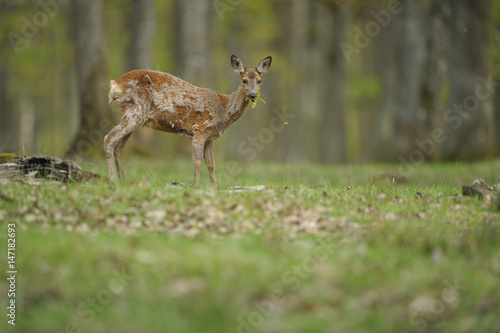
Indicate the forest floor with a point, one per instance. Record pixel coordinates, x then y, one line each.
321 249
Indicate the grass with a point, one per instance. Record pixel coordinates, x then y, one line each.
323 249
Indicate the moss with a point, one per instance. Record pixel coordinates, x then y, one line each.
6 157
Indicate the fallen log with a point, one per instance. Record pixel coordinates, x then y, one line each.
45 167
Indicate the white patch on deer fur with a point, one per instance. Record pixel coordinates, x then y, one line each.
162 100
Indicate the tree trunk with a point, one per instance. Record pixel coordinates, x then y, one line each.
496 102
469 120
330 32
402 82
435 69
9 126
141 25
10 122
376 60
93 84
298 17
193 40
497 121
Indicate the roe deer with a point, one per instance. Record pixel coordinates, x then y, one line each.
167 103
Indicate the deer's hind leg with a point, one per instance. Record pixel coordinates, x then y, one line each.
198 147
113 145
208 153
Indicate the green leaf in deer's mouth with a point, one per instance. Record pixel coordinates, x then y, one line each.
255 100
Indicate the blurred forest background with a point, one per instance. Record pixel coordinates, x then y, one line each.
362 81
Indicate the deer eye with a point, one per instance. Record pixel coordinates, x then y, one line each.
245 81
259 81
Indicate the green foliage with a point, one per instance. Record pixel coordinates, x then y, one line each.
257 99
361 85
495 12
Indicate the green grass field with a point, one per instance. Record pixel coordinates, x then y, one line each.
322 249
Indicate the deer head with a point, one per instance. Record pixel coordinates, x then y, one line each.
250 78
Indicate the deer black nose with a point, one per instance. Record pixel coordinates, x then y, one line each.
252 96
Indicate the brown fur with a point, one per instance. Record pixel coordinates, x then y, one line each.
167 103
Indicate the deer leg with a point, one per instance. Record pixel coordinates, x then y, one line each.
110 152
210 161
118 156
111 141
198 145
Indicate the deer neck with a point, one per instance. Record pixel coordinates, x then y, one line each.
237 104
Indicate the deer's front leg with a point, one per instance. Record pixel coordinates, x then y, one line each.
198 146
113 145
210 161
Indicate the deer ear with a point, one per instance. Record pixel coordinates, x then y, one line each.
264 65
237 64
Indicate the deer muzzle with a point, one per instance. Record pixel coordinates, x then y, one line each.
252 97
